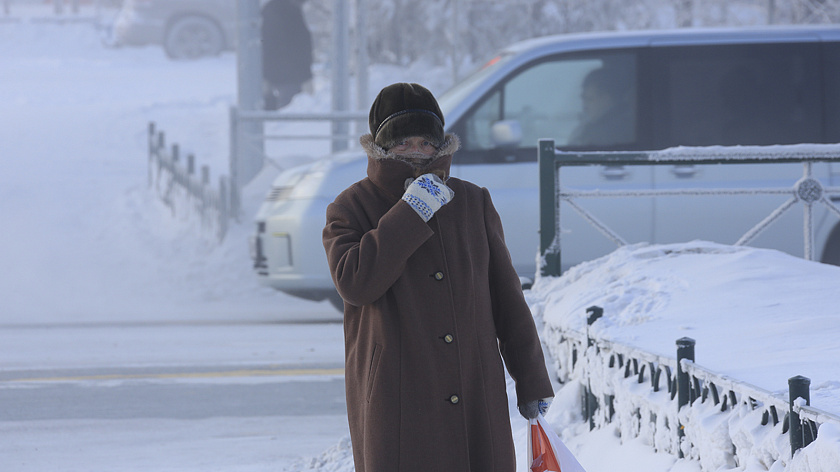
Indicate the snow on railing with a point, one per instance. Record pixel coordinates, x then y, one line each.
807 190
56 11
172 178
679 407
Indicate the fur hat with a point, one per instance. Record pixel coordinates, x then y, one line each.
404 110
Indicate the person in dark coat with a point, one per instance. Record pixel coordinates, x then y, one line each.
432 304
286 51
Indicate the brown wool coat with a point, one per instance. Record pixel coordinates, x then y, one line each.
428 309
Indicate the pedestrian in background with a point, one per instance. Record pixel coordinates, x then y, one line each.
286 52
432 303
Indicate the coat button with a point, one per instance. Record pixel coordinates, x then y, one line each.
448 339
438 275
454 399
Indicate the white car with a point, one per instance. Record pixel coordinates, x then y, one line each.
604 92
187 29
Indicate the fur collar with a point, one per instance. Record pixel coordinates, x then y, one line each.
451 143
390 174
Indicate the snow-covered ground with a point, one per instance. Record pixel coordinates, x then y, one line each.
85 240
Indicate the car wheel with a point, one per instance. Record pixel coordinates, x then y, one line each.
831 252
192 37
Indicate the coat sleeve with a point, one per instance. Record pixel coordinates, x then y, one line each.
365 263
519 342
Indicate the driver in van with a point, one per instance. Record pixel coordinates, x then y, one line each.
432 303
606 116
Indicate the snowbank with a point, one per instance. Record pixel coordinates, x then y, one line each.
759 316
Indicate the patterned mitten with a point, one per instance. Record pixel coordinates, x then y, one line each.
426 194
533 408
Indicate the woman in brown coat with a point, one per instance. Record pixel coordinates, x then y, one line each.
432 303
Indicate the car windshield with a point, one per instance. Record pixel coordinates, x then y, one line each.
452 97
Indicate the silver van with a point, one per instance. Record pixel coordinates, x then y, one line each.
642 90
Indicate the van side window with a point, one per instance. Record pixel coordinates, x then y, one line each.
579 101
832 92
742 94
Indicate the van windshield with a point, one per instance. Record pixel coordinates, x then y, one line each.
452 97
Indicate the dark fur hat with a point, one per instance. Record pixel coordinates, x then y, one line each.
403 110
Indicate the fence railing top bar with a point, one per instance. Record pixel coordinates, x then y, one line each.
725 382
274 116
621 348
816 415
685 155
766 397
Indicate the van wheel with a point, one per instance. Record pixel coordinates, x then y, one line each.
831 252
192 37
336 301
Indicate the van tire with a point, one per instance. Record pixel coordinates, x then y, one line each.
191 37
831 251
336 301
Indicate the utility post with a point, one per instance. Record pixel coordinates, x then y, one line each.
248 151
340 79
361 62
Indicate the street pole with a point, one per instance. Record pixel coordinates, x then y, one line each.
340 79
362 61
248 154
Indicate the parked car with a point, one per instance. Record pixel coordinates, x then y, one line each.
186 29
692 87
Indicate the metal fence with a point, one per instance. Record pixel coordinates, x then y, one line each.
248 137
174 179
60 11
666 394
808 190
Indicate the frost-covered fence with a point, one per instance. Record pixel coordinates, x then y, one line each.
173 178
679 407
247 139
808 190
60 11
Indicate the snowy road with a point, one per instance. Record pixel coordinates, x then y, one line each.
188 395
175 393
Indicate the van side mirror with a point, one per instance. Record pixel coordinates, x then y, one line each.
506 133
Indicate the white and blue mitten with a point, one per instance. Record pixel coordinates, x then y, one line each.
426 194
533 408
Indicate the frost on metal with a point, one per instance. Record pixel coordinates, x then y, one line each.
808 191
800 152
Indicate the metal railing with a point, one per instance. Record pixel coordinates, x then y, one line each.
60 11
664 390
808 190
247 141
170 176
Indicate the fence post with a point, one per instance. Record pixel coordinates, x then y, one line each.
151 145
798 387
224 209
685 350
548 214
591 401
234 161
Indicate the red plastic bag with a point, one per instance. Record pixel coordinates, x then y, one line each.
546 452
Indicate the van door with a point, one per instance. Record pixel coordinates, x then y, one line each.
555 98
759 94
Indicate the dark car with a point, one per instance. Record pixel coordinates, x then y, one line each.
187 29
